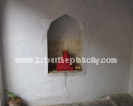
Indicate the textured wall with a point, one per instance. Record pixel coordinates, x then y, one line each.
107 31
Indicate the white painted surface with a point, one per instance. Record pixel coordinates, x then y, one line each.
107 31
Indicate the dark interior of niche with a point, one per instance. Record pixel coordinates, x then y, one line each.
64 33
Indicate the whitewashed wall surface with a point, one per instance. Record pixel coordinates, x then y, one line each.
107 32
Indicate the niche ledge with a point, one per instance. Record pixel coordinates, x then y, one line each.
67 71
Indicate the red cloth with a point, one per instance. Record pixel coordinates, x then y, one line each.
64 65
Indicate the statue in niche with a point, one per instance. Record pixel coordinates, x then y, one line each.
64 63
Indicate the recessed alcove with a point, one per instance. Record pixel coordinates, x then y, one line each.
64 33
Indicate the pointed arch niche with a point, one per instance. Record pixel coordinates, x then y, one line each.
64 33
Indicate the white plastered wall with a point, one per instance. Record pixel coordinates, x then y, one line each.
107 30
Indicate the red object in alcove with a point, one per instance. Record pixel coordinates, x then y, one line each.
64 65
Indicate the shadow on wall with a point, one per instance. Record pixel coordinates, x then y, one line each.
2 66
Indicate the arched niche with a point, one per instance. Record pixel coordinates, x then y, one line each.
64 33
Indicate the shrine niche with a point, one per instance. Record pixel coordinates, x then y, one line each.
65 33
